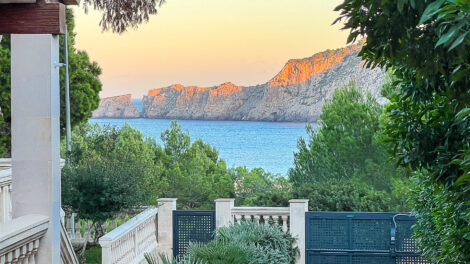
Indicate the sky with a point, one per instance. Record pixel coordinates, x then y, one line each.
208 42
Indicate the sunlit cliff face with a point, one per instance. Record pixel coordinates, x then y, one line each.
294 72
300 70
297 93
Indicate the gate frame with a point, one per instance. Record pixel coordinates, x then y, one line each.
177 213
392 252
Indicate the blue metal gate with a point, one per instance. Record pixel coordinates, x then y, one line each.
353 238
191 226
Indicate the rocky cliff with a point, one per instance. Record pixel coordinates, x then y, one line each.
297 93
116 107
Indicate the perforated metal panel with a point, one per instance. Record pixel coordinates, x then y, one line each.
360 238
191 226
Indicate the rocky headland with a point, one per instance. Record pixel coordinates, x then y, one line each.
116 107
296 93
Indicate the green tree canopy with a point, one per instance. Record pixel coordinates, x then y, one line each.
426 44
344 164
258 187
84 86
195 173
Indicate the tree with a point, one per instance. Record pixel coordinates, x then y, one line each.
344 195
119 15
84 86
258 187
346 144
195 173
426 44
344 165
111 170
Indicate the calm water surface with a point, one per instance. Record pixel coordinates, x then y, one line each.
269 145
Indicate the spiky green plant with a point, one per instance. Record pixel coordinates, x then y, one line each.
242 243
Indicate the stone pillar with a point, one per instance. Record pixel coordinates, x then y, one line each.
35 140
223 212
166 206
298 208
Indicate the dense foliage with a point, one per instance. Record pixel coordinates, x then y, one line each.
195 173
141 171
119 15
344 165
84 86
426 44
245 243
258 187
110 171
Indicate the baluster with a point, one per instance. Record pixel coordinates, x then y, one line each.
238 218
78 232
68 228
10 207
275 219
72 225
114 224
21 254
5 203
284 223
257 218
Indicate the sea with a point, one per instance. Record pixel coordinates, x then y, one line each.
268 145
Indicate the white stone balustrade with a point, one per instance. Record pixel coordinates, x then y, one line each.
291 218
20 239
128 243
67 253
5 194
76 228
276 215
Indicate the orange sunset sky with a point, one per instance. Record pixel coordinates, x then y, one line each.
208 42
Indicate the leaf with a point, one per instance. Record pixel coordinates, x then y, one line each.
413 4
431 10
463 178
458 41
447 36
400 5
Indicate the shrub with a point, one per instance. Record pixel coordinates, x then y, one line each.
247 242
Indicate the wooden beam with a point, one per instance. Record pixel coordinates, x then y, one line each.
39 18
70 2
17 1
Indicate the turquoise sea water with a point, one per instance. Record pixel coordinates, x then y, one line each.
269 145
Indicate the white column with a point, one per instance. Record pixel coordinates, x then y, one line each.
166 206
223 212
298 207
35 140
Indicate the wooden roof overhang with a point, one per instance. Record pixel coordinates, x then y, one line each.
33 16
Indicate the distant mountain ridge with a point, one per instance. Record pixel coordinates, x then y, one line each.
296 93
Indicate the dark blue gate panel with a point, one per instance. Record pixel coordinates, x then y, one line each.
328 233
350 238
191 226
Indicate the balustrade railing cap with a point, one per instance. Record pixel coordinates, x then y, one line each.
163 200
298 201
5 162
22 227
225 200
128 226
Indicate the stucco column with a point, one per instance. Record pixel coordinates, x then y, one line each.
166 206
298 207
223 212
35 140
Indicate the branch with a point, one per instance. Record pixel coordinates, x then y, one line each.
119 15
